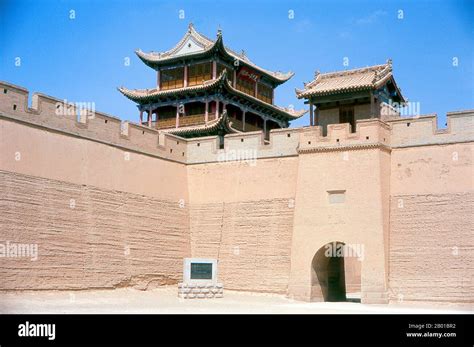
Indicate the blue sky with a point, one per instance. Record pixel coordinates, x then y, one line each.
83 59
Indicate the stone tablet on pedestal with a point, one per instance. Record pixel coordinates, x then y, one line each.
200 279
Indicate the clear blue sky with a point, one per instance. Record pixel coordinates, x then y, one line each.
82 59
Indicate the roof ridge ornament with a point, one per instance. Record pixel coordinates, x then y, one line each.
316 74
389 62
376 76
190 26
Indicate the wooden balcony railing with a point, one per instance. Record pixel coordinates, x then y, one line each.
164 123
199 119
183 121
191 120
237 124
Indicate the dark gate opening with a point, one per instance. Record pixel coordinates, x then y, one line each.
329 277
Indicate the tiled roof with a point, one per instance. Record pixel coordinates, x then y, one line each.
223 122
366 78
207 45
147 95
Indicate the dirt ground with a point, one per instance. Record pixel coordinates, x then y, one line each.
165 301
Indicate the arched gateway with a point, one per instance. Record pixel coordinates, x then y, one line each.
335 273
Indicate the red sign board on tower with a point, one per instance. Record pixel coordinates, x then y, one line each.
249 74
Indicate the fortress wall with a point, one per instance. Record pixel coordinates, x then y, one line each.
242 214
39 152
103 207
421 131
283 142
88 237
242 208
250 239
354 165
431 210
75 120
369 133
93 149
142 204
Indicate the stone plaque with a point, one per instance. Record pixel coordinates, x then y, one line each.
201 271
200 279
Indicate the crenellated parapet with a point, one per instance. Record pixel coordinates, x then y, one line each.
83 121
423 130
399 133
370 133
244 146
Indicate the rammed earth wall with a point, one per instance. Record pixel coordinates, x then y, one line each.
88 237
113 204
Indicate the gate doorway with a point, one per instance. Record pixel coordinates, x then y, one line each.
333 276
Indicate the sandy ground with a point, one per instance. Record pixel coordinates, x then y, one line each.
165 301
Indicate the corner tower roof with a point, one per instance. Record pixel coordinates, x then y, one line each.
196 45
371 77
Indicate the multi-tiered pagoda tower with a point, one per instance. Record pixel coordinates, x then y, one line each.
203 88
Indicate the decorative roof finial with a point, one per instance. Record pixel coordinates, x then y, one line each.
389 61
219 30
242 53
190 26
316 74
376 76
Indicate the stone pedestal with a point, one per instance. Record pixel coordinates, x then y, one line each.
200 290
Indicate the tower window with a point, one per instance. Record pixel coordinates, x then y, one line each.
336 196
172 78
198 73
264 93
246 86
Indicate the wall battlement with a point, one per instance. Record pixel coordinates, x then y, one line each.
79 120
244 146
423 130
76 120
68 187
369 133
